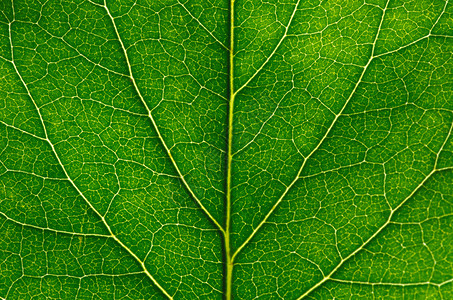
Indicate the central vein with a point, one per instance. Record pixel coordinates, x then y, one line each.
229 261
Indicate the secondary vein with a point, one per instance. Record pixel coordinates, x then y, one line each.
386 223
285 34
142 264
202 26
151 118
297 177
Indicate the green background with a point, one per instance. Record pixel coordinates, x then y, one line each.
114 121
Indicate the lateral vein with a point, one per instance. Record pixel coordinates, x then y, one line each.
151 118
285 34
202 26
71 181
297 177
386 223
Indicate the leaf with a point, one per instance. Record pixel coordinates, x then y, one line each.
205 149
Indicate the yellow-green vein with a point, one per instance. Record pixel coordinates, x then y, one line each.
229 261
386 223
151 118
297 177
142 264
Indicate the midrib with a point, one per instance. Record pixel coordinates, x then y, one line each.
228 256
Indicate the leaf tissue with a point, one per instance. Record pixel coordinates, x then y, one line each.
241 149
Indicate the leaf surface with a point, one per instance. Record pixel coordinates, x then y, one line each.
245 149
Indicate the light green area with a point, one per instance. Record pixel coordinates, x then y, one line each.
247 149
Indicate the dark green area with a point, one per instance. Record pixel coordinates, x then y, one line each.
114 142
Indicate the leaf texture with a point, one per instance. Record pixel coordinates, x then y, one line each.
246 149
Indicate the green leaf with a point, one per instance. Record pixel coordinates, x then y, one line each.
243 149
